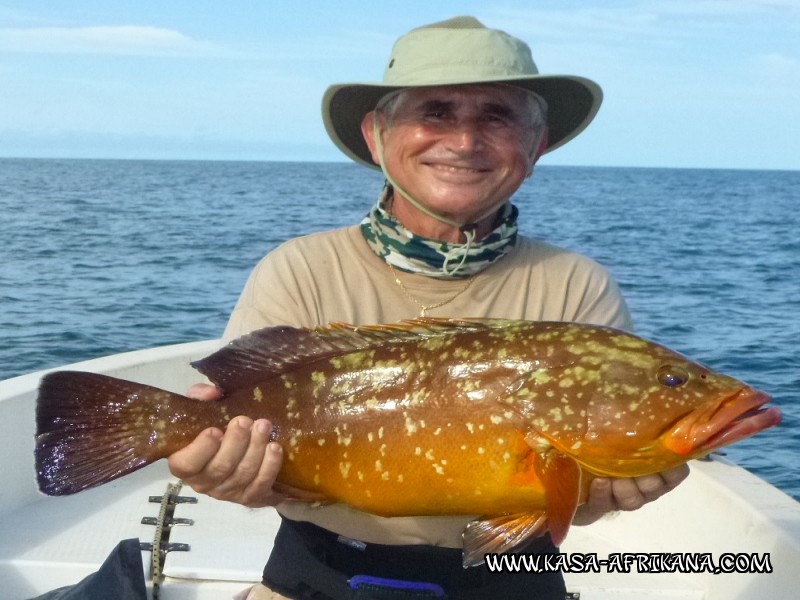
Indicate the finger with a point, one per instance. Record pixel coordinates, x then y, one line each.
675 476
601 498
249 464
654 486
627 495
191 460
204 392
260 492
224 461
599 502
651 486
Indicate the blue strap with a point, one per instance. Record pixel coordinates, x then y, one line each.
395 588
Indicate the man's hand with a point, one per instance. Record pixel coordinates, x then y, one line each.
607 495
239 465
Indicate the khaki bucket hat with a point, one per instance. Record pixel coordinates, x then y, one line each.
459 51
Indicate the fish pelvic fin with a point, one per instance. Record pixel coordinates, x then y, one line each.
500 534
91 429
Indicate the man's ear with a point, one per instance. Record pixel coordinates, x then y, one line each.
368 131
539 147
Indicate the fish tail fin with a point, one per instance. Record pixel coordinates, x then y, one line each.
91 429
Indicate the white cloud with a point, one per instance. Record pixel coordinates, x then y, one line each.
653 19
112 39
778 64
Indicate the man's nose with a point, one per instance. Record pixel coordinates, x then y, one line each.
465 135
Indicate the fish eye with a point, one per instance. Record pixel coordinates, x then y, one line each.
672 376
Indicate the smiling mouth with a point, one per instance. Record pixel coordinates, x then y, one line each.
457 170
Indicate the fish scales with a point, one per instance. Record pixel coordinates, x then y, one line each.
506 419
378 425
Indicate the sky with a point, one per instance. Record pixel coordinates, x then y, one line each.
687 83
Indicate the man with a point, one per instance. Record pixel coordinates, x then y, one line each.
456 126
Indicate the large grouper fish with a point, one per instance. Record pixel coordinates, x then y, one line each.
505 419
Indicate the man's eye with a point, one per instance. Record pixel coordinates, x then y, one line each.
495 120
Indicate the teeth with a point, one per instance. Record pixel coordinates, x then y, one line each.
457 169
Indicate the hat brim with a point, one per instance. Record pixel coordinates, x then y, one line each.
572 103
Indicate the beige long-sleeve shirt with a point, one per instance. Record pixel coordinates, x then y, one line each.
334 276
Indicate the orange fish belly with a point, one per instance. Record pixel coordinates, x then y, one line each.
436 465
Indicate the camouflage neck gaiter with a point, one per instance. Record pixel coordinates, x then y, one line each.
412 253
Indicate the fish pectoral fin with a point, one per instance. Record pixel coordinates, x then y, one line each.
299 495
500 534
561 478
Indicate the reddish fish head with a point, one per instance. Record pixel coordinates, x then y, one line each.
729 420
628 407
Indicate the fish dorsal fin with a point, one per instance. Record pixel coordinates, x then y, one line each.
267 352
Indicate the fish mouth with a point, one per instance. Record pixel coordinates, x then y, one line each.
732 419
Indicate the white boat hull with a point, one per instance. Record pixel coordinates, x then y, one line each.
49 542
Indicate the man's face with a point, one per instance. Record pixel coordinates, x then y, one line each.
458 150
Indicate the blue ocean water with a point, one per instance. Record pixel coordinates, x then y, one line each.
99 257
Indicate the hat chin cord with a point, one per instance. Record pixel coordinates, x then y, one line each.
468 229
